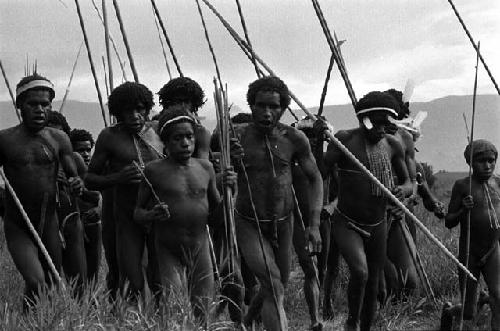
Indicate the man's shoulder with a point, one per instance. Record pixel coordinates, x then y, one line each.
347 134
203 163
9 132
461 184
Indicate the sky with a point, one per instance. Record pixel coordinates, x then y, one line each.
387 43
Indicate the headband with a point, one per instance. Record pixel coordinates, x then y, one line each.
34 84
369 110
174 120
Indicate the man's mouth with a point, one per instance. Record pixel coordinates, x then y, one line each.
265 123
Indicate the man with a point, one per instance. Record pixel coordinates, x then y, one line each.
185 93
31 154
89 204
359 227
119 150
264 204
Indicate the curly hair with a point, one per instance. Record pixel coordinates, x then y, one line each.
56 118
269 84
126 97
182 89
404 107
163 130
242 118
25 80
81 135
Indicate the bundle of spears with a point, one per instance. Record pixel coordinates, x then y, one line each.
223 127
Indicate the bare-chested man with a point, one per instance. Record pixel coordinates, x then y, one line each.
268 149
188 194
131 140
359 227
89 203
31 154
479 196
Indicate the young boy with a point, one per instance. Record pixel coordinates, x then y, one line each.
186 195
483 204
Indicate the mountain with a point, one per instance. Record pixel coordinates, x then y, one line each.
442 144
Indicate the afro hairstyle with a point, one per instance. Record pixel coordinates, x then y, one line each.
242 118
182 89
377 99
25 80
269 84
126 97
164 129
81 135
404 107
56 118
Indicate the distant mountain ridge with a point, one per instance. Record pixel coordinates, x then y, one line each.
444 135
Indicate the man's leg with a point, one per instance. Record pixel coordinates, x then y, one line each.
201 282
325 231
272 289
351 247
330 281
74 259
491 272
93 243
311 278
109 241
153 268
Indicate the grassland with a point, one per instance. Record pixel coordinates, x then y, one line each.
58 310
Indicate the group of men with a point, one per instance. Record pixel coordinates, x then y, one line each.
157 186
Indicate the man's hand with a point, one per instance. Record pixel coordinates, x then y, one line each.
314 238
76 185
327 210
230 178
321 126
91 216
439 210
236 150
129 175
468 202
160 213
399 193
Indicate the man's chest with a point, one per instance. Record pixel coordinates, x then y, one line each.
33 152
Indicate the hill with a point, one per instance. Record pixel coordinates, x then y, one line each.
442 144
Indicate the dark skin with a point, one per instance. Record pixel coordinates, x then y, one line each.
112 166
273 199
30 166
484 254
365 259
187 191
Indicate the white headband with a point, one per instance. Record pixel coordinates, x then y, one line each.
369 110
33 84
175 119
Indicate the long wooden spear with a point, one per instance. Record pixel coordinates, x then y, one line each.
105 76
476 47
10 91
162 45
106 43
325 85
467 222
63 102
167 39
247 38
348 153
92 67
125 41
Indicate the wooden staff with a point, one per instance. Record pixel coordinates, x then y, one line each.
106 43
122 67
32 230
70 79
167 39
467 223
476 47
209 44
247 38
10 91
349 154
92 67
325 86
162 45
125 41
105 76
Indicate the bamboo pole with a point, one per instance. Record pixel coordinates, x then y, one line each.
32 230
106 42
70 79
162 45
105 76
125 40
10 91
467 222
167 39
92 67
247 38
476 47
325 85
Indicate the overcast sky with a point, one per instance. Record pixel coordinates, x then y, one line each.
388 41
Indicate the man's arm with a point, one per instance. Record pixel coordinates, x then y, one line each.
411 164
306 162
67 161
405 189
456 208
202 143
144 214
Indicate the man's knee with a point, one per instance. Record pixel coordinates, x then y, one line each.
359 273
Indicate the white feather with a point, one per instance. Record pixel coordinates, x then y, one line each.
408 92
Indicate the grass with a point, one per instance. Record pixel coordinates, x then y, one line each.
57 309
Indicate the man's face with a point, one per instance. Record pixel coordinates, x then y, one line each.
83 148
35 109
135 118
483 164
180 141
266 111
379 120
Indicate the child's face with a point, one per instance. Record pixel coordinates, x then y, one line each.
180 141
483 164
135 118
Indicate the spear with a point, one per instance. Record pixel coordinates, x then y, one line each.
247 38
10 91
167 39
106 42
325 86
105 76
125 40
70 78
476 47
162 45
92 67
467 223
